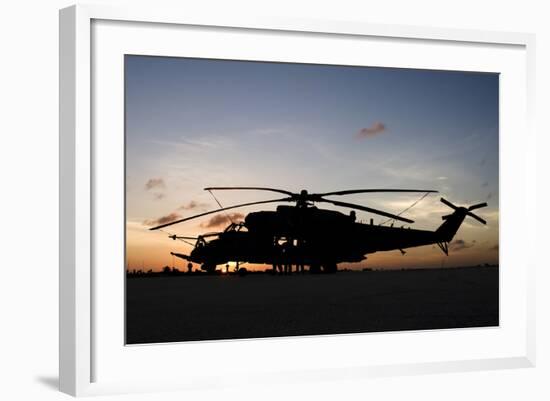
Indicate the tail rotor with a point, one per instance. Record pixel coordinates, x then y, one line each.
466 211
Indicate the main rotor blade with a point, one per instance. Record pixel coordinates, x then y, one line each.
180 255
182 237
446 202
366 209
220 210
479 205
281 191
359 191
477 218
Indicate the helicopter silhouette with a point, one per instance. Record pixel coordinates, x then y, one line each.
304 235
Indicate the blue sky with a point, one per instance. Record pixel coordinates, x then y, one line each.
193 123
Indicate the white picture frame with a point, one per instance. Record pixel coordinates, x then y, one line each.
79 344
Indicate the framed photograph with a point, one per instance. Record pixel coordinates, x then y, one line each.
290 198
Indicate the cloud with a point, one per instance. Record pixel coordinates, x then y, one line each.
193 205
222 219
460 244
154 183
163 220
269 131
375 129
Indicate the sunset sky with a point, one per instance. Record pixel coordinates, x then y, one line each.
193 123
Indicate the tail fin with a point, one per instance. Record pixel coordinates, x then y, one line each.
452 222
447 230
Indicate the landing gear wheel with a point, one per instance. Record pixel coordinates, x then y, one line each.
315 269
208 268
330 268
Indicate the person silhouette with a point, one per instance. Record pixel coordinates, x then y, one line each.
277 257
287 251
299 252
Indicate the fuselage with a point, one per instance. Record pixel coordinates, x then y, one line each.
308 236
